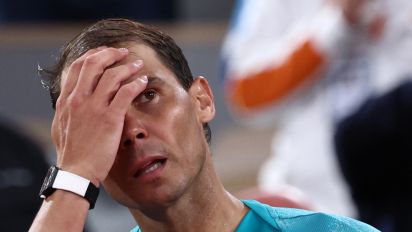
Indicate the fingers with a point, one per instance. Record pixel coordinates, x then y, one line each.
113 78
94 66
127 92
70 76
91 75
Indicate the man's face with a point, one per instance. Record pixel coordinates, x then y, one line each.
163 148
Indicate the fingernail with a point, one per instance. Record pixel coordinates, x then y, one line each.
138 63
143 79
124 50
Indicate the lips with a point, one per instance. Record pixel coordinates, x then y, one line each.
148 166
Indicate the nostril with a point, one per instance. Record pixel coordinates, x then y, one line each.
127 143
140 136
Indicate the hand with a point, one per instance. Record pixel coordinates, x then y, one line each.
96 94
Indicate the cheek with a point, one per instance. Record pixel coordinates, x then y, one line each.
183 125
188 134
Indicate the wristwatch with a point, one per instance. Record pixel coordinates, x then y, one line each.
59 179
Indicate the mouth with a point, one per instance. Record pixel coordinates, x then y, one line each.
150 167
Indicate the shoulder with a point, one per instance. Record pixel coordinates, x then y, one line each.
288 219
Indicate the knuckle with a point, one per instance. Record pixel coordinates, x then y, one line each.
74 101
94 63
77 64
91 61
59 103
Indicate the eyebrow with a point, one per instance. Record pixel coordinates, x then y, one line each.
154 80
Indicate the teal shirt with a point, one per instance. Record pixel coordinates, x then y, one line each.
265 218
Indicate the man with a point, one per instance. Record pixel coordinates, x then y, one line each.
130 117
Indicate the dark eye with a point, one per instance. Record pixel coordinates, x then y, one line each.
148 95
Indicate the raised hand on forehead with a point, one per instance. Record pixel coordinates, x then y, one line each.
96 94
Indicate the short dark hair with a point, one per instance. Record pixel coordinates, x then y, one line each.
115 33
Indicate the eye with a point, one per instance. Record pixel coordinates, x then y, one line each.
147 96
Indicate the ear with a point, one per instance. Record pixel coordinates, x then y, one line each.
202 94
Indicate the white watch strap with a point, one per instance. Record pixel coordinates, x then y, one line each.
71 182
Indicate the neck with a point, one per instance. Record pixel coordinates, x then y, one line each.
206 206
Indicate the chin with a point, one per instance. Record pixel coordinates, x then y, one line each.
139 200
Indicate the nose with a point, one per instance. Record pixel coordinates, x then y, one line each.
133 133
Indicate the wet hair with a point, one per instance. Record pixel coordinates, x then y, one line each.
117 33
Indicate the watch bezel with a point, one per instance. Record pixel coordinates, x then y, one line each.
47 186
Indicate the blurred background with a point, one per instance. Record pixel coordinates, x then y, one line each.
313 98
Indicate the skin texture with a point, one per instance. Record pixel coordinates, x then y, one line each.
124 121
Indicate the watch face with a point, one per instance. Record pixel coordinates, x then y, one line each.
46 189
